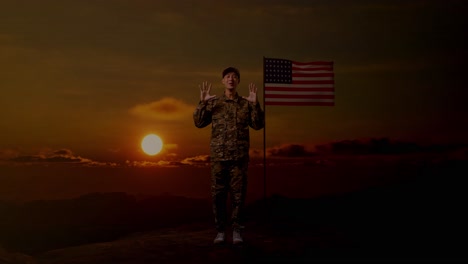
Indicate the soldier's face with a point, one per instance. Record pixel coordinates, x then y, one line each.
230 80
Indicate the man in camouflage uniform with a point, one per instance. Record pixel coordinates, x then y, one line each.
230 116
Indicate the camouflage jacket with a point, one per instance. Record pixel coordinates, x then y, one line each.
230 120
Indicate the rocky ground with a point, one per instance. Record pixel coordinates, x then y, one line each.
419 220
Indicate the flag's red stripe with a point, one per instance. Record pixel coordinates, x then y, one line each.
328 63
312 96
312 69
313 82
301 103
313 75
285 88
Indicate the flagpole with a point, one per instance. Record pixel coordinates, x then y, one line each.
264 134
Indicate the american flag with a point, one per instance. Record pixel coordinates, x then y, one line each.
298 83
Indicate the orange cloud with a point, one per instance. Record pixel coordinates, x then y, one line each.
201 160
152 164
167 108
197 161
61 156
171 146
6 154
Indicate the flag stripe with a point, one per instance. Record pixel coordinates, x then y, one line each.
313 82
312 72
302 103
295 79
311 69
299 96
300 86
289 89
297 100
308 74
329 63
299 92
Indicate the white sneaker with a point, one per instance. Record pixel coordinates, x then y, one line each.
220 238
237 238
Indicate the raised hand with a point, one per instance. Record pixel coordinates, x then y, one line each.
205 92
252 94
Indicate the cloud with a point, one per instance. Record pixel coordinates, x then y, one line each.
255 153
381 148
61 156
6 154
152 164
199 161
171 146
290 150
167 108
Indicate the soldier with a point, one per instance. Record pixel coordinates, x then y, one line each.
230 116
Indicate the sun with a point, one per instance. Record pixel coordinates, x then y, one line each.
151 144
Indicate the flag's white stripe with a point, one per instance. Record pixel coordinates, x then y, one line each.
300 93
296 100
298 85
313 78
312 71
312 66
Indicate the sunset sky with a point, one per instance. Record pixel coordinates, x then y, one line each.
86 80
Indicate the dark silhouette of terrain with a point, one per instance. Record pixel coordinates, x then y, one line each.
44 225
418 218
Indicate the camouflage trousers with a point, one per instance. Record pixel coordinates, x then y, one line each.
229 178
